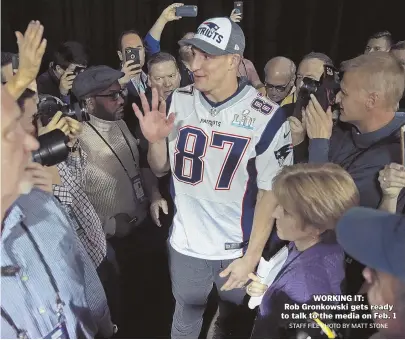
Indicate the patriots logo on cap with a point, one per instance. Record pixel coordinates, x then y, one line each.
210 30
211 25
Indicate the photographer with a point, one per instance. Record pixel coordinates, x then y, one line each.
371 88
69 59
312 68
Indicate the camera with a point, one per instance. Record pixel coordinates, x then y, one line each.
53 148
325 90
48 105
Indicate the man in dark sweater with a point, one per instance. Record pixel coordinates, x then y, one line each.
367 136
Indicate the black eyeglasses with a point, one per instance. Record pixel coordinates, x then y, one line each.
278 88
114 95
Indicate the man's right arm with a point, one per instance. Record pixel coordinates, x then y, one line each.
158 158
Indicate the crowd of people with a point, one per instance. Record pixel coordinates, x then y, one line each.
238 171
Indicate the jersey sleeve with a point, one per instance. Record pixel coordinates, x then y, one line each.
274 149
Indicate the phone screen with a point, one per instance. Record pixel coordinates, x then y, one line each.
403 144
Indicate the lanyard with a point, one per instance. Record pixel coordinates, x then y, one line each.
22 334
112 150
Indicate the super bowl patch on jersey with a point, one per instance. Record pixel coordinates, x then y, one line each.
244 120
260 104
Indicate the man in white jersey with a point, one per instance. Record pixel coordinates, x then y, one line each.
226 143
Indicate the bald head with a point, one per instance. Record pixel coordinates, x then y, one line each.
279 77
280 67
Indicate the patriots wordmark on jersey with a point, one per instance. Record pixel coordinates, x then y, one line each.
220 157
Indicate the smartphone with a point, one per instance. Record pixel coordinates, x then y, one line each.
133 54
187 11
238 7
403 144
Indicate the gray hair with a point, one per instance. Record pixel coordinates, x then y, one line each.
381 73
320 56
160 57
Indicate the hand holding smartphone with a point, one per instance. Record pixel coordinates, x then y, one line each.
133 54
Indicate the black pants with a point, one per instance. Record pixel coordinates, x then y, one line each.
147 305
110 280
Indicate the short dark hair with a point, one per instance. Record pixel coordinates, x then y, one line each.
70 52
123 34
321 56
25 95
400 45
6 58
382 34
160 57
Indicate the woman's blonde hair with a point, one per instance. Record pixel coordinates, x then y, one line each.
318 193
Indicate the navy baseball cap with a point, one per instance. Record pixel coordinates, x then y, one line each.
218 36
374 238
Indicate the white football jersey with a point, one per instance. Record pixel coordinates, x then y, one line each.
219 157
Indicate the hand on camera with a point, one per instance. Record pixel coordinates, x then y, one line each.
235 17
57 122
318 123
169 14
392 180
31 48
298 130
131 70
75 129
255 288
66 82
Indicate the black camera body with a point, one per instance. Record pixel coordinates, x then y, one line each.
53 148
325 90
48 105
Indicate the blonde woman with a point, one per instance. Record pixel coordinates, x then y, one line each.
311 199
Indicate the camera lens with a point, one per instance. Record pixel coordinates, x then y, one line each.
53 148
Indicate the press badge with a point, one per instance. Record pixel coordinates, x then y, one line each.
138 189
59 332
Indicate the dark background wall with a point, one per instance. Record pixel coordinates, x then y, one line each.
273 27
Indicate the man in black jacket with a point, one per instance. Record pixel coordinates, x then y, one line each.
69 60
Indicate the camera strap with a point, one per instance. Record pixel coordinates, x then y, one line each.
112 150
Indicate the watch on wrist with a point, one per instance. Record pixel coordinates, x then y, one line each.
75 147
